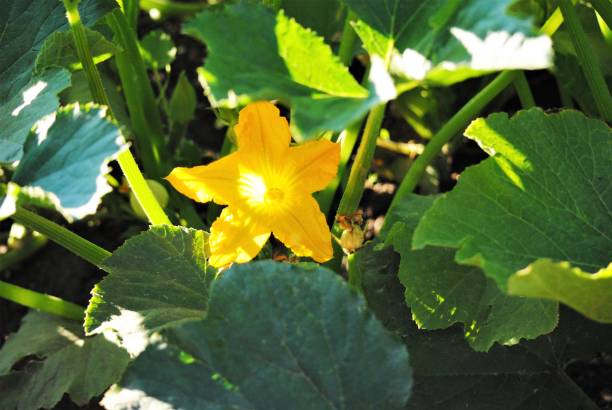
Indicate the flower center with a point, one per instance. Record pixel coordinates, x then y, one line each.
274 195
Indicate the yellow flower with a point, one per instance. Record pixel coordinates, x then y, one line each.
267 187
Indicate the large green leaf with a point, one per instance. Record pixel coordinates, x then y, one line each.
544 193
444 42
60 51
282 336
24 99
156 279
56 358
441 292
281 60
70 163
450 375
590 294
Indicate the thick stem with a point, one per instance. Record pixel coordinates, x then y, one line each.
363 162
89 251
347 42
588 60
524 92
41 301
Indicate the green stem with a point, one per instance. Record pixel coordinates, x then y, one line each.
604 8
449 130
131 8
41 301
173 8
363 162
347 42
142 192
588 60
355 276
91 252
524 92
144 114
126 161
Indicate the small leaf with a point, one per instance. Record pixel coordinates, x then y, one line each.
156 279
441 292
590 294
279 336
56 358
183 102
157 49
59 50
70 164
443 42
282 60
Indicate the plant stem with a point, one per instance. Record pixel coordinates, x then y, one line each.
89 251
41 301
604 8
524 92
126 161
588 61
142 192
363 162
347 42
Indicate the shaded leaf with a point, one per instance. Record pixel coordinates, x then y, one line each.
281 336
441 292
59 359
282 60
448 374
444 42
70 164
590 294
157 49
183 102
60 51
156 279
544 193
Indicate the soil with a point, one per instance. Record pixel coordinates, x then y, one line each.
55 271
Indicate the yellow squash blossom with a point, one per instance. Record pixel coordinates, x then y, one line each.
267 187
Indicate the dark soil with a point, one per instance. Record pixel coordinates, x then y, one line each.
55 271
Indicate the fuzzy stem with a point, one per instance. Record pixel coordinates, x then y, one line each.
41 301
89 251
588 60
363 162
523 91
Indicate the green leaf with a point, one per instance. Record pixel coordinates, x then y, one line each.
590 294
9 194
544 193
281 336
281 60
443 42
55 358
20 111
326 17
156 279
441 292
23 98
183 102
157 49
70 164
60 51
448 374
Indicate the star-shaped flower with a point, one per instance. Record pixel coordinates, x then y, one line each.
267 186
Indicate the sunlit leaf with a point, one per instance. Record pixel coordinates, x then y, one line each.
282 60
56 358
443 42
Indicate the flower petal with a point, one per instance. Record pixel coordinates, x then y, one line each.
315 163
235 237
262 132
302 227
216 181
